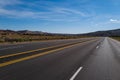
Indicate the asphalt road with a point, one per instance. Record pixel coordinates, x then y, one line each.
97 59
16 48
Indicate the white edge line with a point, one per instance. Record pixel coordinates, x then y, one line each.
97 47
76 73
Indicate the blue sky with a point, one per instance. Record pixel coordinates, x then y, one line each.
60 16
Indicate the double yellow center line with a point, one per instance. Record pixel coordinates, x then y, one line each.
57 48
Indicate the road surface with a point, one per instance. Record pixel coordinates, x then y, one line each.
86 59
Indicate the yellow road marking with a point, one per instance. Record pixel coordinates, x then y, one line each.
38 55
15 54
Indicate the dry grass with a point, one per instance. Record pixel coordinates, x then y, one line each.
117 38
14 37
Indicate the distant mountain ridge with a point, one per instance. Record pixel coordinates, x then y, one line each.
115 32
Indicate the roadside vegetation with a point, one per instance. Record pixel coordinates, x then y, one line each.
17 37
117 38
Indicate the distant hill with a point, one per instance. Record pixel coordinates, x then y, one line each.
109 33
30 32
115 32
26 35
23 32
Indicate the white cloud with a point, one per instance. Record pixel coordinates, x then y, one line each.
114 21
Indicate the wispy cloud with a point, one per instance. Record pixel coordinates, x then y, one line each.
68 11
32 14
4 3
53 13
14 13
115 2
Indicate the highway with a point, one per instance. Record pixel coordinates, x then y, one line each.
16 48
74 59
